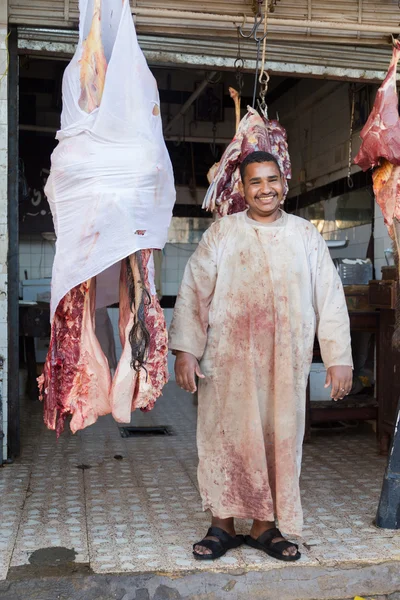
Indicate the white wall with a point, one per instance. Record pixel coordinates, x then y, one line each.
3 213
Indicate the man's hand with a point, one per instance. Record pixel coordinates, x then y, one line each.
341 380
186 367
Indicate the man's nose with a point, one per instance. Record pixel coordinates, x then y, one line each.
266 187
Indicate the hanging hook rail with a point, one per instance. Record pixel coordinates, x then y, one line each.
258 19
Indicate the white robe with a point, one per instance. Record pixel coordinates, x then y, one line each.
252 298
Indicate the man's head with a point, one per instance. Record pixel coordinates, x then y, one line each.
262 185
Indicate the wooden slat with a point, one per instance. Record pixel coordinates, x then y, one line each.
65 13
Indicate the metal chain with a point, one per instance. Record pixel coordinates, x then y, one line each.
350 182
239 66
264 75
263 79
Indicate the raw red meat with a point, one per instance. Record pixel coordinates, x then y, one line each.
254 133
76 379
381 148
381 133
132 389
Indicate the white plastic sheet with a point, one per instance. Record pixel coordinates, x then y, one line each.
111 187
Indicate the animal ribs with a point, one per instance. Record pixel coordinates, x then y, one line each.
141 373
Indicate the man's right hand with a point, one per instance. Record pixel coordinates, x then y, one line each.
186 368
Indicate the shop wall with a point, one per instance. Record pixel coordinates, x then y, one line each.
316 115
3 217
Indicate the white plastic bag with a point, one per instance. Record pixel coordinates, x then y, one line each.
111 187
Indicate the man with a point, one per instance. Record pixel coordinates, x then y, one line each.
258 287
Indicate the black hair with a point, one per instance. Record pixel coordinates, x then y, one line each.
257 157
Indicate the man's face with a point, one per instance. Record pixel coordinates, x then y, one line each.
262 188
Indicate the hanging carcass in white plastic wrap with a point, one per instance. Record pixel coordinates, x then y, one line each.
254 133
380 148
111 192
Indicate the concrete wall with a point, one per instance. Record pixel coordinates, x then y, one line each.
3 213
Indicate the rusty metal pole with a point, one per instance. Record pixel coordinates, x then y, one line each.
388 515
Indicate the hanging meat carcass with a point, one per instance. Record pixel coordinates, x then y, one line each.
111 192
380 148
254 132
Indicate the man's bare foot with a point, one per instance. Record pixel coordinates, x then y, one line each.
259 527
225 524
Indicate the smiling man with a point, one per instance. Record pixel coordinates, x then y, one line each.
259 286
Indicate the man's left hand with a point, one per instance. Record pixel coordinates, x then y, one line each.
341 380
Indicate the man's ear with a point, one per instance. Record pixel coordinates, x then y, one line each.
241 188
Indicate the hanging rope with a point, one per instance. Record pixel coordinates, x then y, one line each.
353 103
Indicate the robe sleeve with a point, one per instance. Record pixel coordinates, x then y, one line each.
188 330
333 323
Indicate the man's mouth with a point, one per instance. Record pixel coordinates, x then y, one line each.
266 198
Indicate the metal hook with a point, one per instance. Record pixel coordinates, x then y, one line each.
258 19
239 64
263 108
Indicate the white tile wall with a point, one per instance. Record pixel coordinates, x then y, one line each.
175 257
3 214
36 257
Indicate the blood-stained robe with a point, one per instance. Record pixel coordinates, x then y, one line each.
252 298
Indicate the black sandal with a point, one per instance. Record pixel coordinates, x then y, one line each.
218 548
274 549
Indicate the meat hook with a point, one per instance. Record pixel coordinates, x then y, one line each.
258 19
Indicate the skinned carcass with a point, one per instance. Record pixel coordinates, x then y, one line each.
111 193
380 148
255 132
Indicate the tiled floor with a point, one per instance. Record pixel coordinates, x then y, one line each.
142 512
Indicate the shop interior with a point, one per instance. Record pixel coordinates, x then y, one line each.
335 196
